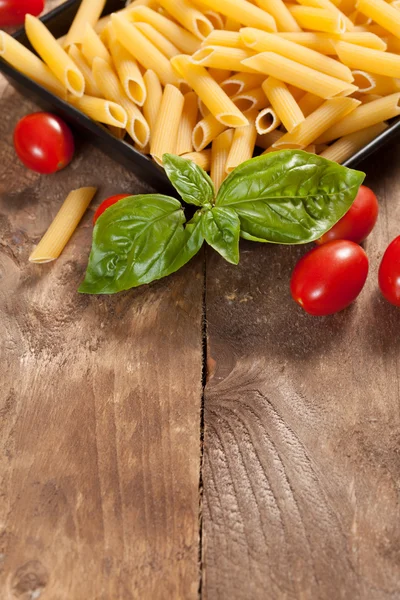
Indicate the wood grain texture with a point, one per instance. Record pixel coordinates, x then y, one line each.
302 430
99 405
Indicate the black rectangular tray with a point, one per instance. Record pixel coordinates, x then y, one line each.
58 22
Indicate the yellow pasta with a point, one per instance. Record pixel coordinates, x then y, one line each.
309 102
299 75
208 90
265 141
328 5
182 39
243 12
266 121
63 226
129 73
380 85
322 42
318 19
143 50
251 100
188 121
348 145
229 39
203 158
241 82
111 88
283 18
364 116
88 14
152 103
222 58
166 128
243 144
382 13
54 56
29 64
268 42
215 19
219 75
90 85
327 115
188 16
160 42
204 111
206 131
93 47
219 155
282 101
103 111
367 59
232 25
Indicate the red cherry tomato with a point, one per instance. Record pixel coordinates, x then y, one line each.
389 273
12 12
358 222
107 203
43 142
329 278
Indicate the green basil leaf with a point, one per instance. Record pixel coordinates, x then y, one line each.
139 240
290 196
221 229
190 180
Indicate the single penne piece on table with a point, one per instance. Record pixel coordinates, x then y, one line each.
369 83
58 61
184 142
243 144
129 73
29 64
222 58
206 131
244 12
91 88
284 104
241 82
367 59
266 121
88 13
92 46
382 13
161 42
327 115
282 15
318 19
208 90
220 149
63 226
348 145
166 128
251 100
103 111
202 159
189 17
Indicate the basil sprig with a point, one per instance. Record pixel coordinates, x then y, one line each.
285 197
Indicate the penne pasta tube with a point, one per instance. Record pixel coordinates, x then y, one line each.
101 24
309 102
328 5
202 159
63 226
206 131
92 46
300 76
167 125
189 17
322 42
111 88
261 41
367 59
364 116
219 155
265 141
232 25
327 115
318 19
393 44
219 75
203 108
29 64
241 82
103 111
215 19
251 100
58 61
282 15
244 12
119 133
208 90
91 88
382 13
266 121
88 14
157 38
182 39
229 39
348 145
143 50
380 85
187 124
151 106
243 144
283 103
129 73
222 58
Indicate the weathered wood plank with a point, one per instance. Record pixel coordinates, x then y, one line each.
301 466
99 405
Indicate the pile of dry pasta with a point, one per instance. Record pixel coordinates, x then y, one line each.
218 81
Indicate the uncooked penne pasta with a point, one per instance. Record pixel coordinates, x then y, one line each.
265 141
90 85
203 158
154 94
103 111
63 226
244 12
241 82
143 50
284 104
92 46
222 58
206 131
184 143
189 17
88 14
232 25
309 102
29 64
266 121
229 39
243 144
251 100
219 75
364 116
367 59
380 85
318 19
327 115
327 4
166 128
161 42
58 61
283 17
348 145
208 90
215 18
322 42
382 13
219 155
129 73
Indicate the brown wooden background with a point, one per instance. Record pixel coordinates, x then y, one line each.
121 478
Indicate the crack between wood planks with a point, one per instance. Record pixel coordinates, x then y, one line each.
204 382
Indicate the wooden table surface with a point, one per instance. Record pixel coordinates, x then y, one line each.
123 476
